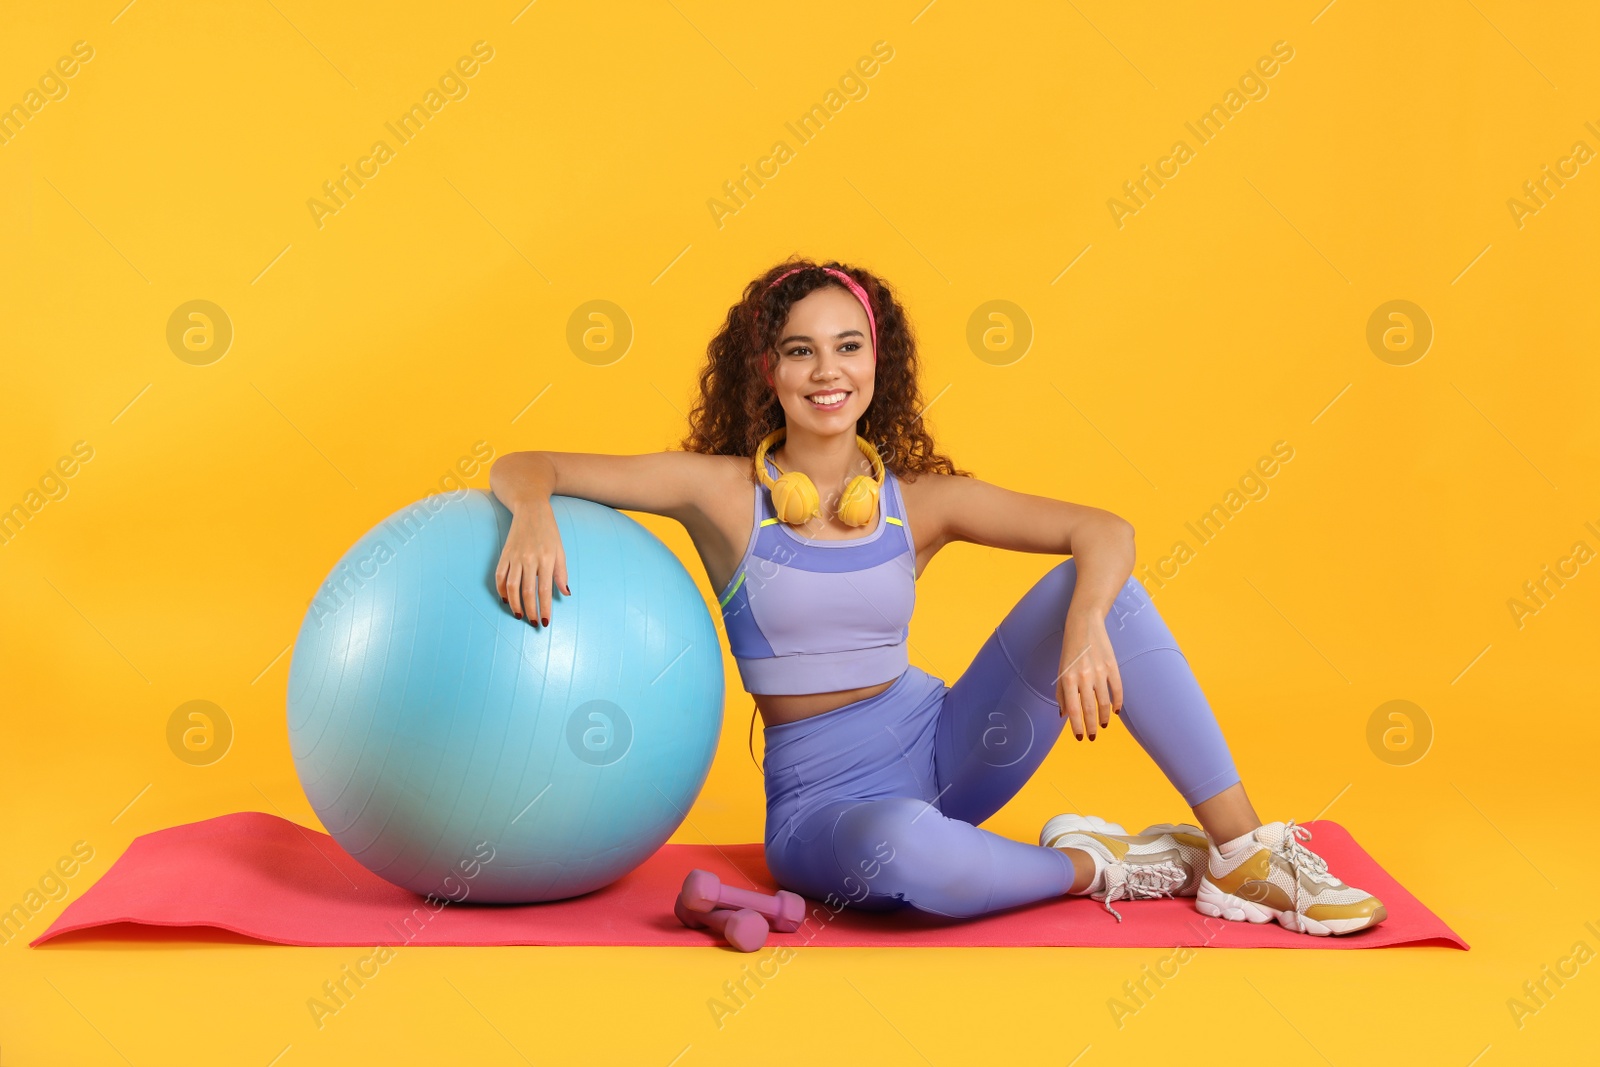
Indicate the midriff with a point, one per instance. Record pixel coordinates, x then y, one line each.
777 708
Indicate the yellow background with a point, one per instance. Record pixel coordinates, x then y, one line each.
1230 312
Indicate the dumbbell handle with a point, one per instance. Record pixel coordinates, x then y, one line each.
703 891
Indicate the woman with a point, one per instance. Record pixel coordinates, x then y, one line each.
815 497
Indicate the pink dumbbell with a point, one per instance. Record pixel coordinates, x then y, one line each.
703 891
744 929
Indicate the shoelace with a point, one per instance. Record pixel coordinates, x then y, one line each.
1297 854
1141 881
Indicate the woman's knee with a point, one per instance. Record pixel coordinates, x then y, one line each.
1045 605
906 848
1033 633
872 837
1134 624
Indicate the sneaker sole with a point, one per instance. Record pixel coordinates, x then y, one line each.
1215 903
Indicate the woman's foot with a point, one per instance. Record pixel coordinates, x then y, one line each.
1163 861
1268 875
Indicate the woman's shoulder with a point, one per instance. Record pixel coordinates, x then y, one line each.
913 482
730 477
929 495
734 468
706 463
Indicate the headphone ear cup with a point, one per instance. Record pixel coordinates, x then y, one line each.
859 502
795 498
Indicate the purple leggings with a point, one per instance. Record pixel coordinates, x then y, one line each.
876 804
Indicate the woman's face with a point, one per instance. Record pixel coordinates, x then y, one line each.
824 350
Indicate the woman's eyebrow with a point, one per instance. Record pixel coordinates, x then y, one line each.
837 336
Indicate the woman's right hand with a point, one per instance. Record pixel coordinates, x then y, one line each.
532 563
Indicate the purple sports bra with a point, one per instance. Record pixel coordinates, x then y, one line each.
805 615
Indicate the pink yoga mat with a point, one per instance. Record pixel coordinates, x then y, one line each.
267 878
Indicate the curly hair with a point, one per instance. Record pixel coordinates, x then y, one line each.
736 407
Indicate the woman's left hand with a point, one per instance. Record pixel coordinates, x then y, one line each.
1089 686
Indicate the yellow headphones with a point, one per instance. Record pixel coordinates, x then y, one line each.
796 499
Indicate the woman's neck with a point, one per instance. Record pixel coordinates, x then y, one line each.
828 461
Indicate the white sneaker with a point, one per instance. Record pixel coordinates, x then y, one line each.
1165 860
1275 877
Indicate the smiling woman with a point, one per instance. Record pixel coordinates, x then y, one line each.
815 495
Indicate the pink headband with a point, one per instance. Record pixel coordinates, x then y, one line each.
855 287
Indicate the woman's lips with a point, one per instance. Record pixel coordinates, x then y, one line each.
831 407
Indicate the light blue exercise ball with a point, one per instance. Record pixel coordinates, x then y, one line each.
458 751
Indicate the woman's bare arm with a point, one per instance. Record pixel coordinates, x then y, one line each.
661 483
533 563
969 509
1089 684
